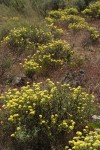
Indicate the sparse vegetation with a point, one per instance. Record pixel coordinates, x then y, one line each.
59 40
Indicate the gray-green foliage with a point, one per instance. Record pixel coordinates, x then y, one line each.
22 6
40 6
80 4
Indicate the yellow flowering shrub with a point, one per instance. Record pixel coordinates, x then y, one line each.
94 33
93 11
73 21
27 37
70 11
46 113
89 141
48 56
57 14
69 15
78 26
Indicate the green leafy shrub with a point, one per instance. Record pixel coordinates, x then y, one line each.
57 4
79 4
25 37
46 113
87 2
48 56
89 141
93 10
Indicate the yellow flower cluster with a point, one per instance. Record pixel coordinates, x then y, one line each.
89 142
57 32
67 124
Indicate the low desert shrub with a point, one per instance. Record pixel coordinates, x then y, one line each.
94 33
80 24
73 21
45 114
48 57
57 14
26 37
74 24
67 16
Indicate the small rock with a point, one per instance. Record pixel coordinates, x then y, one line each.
75 78
96 117
82 71
19 81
